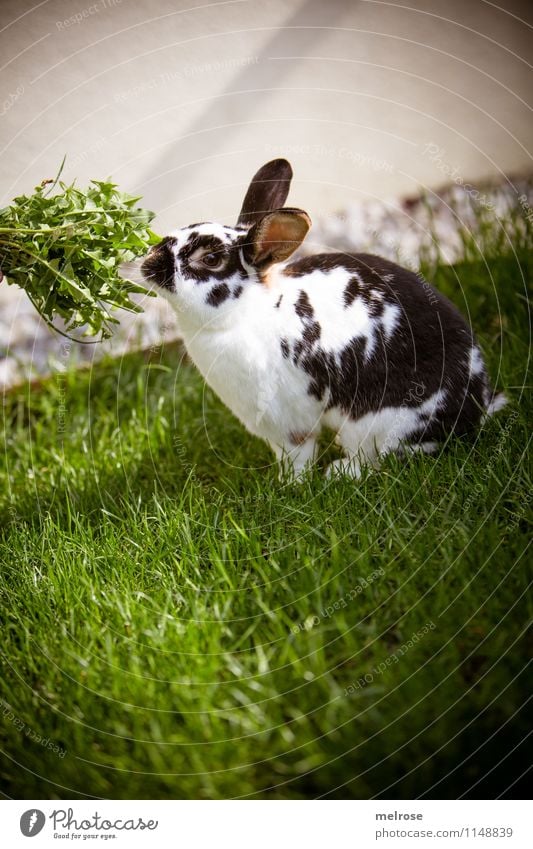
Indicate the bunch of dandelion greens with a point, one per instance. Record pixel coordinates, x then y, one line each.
64 246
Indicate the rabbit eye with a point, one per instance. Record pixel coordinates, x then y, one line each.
213 260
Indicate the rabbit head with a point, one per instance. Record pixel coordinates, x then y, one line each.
203 269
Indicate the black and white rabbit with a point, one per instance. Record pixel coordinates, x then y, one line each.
349 341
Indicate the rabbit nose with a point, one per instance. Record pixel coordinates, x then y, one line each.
159 264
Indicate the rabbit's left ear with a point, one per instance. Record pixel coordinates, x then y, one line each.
268 190
276 236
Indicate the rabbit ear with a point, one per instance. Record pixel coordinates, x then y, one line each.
268 190
276 236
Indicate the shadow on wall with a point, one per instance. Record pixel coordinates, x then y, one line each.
258 82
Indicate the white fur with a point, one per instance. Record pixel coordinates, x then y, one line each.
498 403
475 363
239 356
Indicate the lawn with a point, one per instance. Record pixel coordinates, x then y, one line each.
177 624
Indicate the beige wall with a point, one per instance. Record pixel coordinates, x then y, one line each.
181 101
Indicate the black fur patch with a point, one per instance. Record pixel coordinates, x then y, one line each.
375 308
159 265
218 294
297 349
351 292
200 240
237 292
429 348
303 306
311 333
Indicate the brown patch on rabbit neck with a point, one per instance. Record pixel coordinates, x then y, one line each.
271 276
298 437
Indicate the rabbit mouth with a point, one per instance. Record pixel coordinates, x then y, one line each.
159 266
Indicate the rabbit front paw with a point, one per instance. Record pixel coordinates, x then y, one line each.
295 460
349 467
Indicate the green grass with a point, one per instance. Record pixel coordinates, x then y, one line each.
181 625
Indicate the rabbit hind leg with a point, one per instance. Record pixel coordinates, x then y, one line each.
296 456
